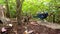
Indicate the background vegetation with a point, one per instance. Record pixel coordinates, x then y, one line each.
34 6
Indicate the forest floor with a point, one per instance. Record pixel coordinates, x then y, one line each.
36 28
43 27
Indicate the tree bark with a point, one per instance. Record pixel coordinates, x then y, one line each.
7 9
19 11
19 17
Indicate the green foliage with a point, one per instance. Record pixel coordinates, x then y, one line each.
34 6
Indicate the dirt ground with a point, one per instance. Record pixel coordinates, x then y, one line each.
34 27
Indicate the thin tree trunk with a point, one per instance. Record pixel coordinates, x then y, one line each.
7 9
19 17
19 10
53 18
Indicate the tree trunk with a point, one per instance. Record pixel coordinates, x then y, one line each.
19 12
19 17
53 18
7 9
